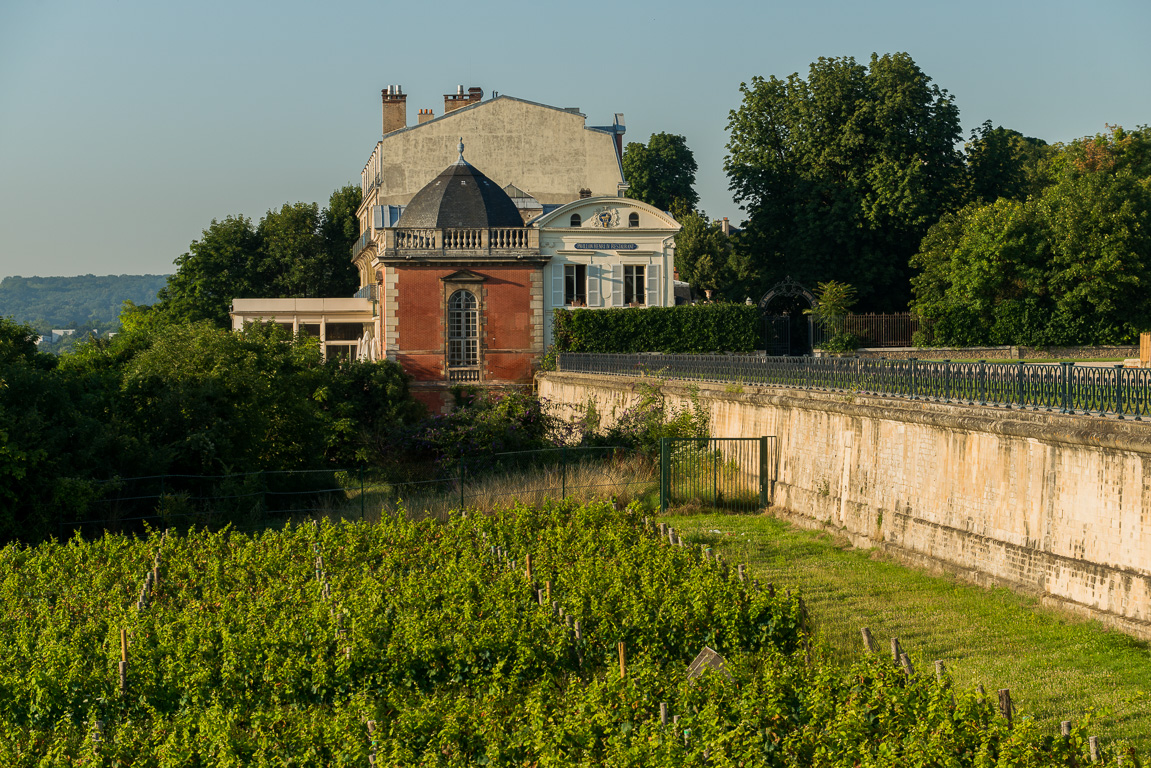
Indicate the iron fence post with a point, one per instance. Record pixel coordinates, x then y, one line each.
1065 385
1119 390
983 382
361 493
714 474
461 484
914 388
763 472
1019 386
663 470
563 472
947 381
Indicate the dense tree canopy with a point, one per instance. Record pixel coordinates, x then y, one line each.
662 173
1070 264
298 251
1004 163
842 173
706 257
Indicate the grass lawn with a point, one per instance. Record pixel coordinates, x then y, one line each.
1057 666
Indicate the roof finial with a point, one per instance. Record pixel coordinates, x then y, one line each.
461 148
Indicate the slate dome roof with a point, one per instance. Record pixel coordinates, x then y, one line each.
462 196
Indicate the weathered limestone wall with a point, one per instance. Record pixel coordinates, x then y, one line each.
1049 504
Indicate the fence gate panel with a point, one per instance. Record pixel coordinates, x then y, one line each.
731 474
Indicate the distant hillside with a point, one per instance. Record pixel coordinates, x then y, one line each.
73 302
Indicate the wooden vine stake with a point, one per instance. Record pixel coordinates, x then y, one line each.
868 640
548 586
1065 728
622 660
528 562
663 713
1093 745
906 662
1005 704
895 650
123 660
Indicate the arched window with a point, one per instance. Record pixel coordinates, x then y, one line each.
633 220
463 330
576 220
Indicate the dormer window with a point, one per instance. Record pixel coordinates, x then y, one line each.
576 220
633 220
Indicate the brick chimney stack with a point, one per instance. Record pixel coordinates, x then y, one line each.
453 101
426 115
395 110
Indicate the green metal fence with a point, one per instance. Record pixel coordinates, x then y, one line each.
733 474
254 500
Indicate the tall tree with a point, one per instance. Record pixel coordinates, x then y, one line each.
842 173
298 251
662 173
1003 163
706 258
1071 265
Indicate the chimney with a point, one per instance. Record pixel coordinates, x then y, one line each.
395 110
426 115
453 101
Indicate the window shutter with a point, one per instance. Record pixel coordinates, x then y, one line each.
593 285
557 285
617 285
653 296
377 217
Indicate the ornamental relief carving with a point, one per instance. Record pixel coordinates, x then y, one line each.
605 218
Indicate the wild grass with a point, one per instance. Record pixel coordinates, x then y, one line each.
624 478
1057 666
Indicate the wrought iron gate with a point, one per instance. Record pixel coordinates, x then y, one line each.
730 474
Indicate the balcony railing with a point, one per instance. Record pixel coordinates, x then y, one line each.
364 241
462 239
368 292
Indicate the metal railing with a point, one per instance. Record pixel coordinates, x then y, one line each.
734 474
1058 387
363 242
368 292
871 330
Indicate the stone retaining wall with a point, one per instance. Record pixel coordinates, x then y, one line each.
1049 504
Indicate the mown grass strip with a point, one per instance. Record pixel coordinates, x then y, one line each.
1057 666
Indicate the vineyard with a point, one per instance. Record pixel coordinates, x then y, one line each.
553 636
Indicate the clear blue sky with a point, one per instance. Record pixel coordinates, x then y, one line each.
126 127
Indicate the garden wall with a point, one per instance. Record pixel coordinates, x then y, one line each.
1053 505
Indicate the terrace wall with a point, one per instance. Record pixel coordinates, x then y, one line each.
1054 505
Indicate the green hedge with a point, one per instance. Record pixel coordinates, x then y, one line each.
689 329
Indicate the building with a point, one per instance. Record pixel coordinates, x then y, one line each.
460 266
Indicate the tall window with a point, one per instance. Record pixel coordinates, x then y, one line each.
463 330
575 285
633 288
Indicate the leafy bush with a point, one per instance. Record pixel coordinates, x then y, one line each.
689 329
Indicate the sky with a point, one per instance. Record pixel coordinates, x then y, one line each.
126 127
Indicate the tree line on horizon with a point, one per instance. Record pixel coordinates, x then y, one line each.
855 174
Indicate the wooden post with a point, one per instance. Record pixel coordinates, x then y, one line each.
1093 744
906 662
1005 703
540 595
982 693
939 670
895 650
578 632
663 713
622 662
770 588
555 609
1065 728
123 660
868 640
548 586
528 562
739 572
